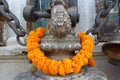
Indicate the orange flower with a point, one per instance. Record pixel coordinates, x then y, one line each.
67 65
31 46
91 62
33 40
62 67
86 53
40 31
76 67
41 63
45 66
52 70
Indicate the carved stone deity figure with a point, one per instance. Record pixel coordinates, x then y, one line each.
60 36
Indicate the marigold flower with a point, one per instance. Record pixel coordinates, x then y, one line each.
67 65
62 67
31 46
53 67
61 70
40 31
91 62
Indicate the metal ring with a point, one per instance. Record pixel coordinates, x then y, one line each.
89 31
20 42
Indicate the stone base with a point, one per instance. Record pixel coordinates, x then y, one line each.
87 74
69 43
12 47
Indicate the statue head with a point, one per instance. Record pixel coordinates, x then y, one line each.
60 21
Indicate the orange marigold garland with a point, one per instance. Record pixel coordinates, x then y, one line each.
62 67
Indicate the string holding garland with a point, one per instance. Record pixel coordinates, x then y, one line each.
62 67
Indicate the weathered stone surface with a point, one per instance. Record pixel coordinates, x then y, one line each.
88 74
10 68
12 47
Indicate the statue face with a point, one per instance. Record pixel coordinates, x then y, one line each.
59 16
60 21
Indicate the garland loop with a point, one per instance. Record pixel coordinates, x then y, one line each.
62 67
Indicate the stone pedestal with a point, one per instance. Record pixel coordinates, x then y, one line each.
86 74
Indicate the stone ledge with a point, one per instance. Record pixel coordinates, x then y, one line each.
12 47
12 58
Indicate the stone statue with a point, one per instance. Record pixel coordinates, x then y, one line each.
58 43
